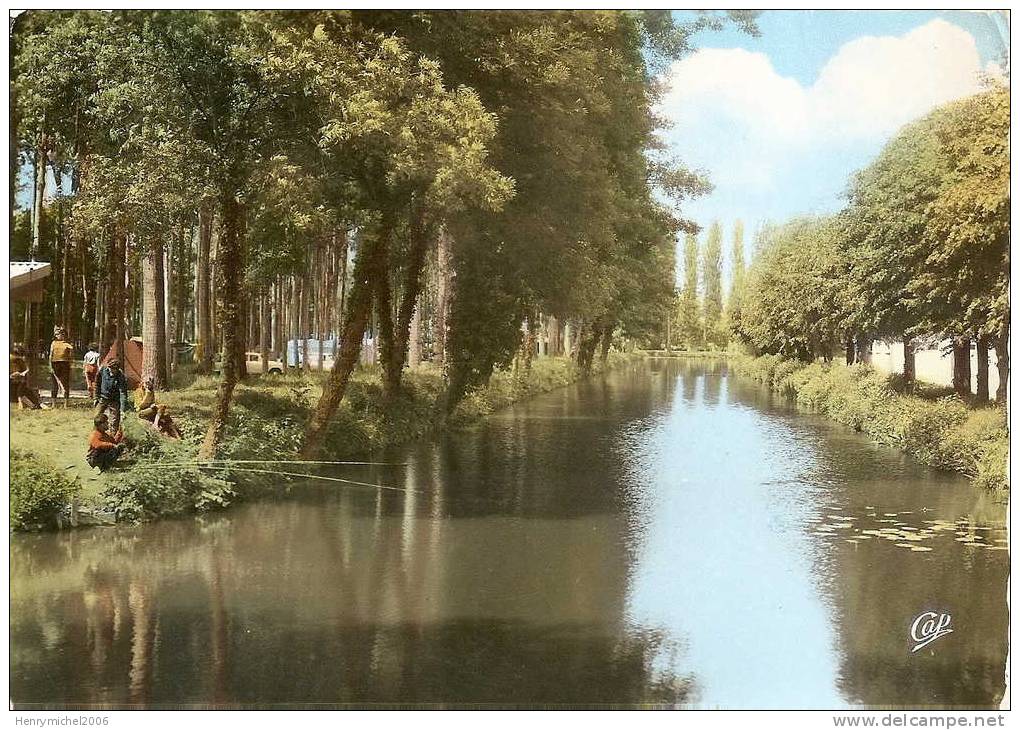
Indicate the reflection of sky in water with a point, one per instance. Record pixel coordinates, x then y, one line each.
723 562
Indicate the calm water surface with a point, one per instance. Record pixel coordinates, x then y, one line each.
666 534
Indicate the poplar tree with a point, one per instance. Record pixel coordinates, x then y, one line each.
711 274
689 324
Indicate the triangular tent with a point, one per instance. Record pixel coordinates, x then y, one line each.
132 363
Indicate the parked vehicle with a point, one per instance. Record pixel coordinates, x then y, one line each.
253 364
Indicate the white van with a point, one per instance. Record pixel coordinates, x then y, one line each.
253 364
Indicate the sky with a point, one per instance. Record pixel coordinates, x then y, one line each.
779 123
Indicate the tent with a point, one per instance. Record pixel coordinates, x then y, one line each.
132 363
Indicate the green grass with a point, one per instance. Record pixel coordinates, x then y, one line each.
938 429
267 421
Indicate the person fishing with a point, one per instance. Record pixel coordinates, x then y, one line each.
61 356
104 448
112 388
90 366
153 412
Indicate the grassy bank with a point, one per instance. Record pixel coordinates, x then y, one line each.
932 425
267 421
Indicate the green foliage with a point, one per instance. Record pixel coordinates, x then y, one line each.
793 304
689 328
38 491
739 274
926 226
711 273
943 432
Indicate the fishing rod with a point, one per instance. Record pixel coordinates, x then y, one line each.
200 462
316 476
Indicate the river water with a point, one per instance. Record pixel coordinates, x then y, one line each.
666 534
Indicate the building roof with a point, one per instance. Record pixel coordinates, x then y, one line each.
23 272
27 280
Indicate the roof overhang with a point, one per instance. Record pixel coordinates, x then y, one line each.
28 280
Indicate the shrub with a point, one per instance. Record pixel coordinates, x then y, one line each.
38 492
941 432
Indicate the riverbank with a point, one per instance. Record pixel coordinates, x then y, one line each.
694 354
935 427
52 484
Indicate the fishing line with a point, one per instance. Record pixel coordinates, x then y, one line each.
277 461
317 476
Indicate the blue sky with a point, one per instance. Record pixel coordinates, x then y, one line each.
779 122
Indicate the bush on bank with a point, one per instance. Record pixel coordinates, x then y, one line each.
160 477
942 432
38 491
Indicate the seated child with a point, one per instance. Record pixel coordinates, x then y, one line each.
156 413
21 392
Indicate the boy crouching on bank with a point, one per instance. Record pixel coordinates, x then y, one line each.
104 448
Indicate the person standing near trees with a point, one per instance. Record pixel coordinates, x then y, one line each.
112 387
61 356
91 370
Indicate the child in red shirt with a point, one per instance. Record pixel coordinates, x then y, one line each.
104 448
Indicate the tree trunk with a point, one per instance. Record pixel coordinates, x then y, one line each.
367 268
864 344
119 294
341 293
243 305
38 193
65 249
607 341
552 329
204 347
385 340
1002 365
909 361
303 298
414 338
279 343
982 369
265 329
322 287
443 273
531 341
294 331
153 316
394 359
231 265
169 321
587 342
961 366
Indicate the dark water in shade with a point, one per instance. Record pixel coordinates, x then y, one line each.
666 534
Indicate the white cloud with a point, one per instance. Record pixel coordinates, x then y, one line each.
873 85
750 128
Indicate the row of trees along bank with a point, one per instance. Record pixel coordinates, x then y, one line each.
244 178
699 317
919 254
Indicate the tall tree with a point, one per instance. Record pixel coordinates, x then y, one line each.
689 325
711 273
738 272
